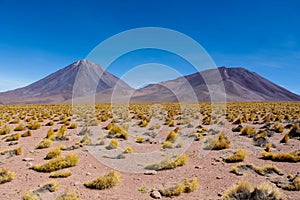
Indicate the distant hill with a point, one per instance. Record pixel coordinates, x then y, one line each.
239 83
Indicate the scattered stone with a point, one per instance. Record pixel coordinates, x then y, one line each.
28 159
155 195
29 164
219 177
197 167
88 173
152 172
75 183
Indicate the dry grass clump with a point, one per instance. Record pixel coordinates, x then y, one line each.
27 134
63 174
108 180
293 185
12 152
68 196
6 176
29 195
116 131
169 163
282 157
73 126
86 140
285 138
172 136
45 143
13 137
58 163
238 156
167 145
186 186
51 186
245 191
140 140
218 142
268 148
113 144
5 130
263 170
20 127
33 125
54 153
247 130
128 150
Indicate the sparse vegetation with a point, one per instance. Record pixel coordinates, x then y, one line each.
113 144
186 186
68 196
62 174
238 156
218 142
282 157
169 163
6 176
107 181
54 153
244 190
58 163
45 143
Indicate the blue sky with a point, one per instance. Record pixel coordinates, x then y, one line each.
39 37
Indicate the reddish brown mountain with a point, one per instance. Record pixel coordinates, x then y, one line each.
239 84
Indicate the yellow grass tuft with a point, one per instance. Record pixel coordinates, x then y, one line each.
247 130
45 143
109 180
282 157
169 163
58 163
68 196
54 153
63 174
186 186
6 176
238 156
218 142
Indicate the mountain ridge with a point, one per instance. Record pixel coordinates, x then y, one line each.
239 83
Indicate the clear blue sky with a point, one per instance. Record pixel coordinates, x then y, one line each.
39 37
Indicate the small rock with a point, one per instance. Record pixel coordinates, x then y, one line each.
75 183
197 167
152 172
29 164
155 195
28 159
219 194
219 177
88 173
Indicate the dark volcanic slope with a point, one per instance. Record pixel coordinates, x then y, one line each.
58 87
239 83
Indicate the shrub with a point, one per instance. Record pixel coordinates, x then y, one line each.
68 196
218 142
12 152
86 140
113 144
140 140
73 126
242 190
116 131
20 127
13 137
29 195
50 134
63 174
238 156
128 150
285 138
50 123
263 170
186 186
282 157
169 163
5 130
172 136
247 130
109 180
27 134
33 125
167 145
266 191
294 184
6 176
58 163
54 153
268 148
45 143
